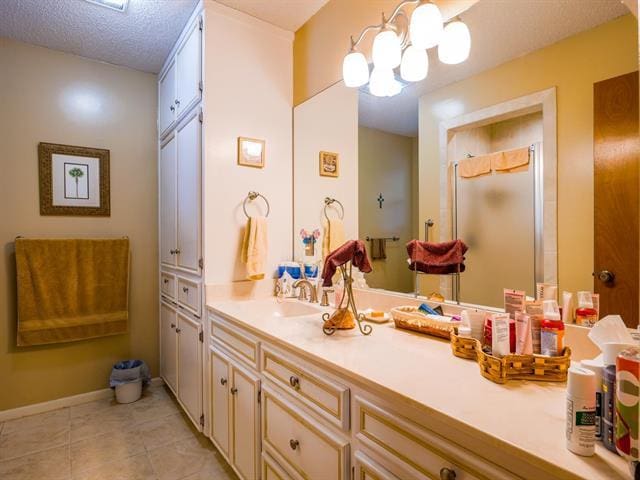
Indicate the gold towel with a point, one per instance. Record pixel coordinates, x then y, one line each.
512 161
254 247
333 236
476 166
71 290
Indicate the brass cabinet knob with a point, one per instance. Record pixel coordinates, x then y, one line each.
178 330
172 108
447 474
294 444
294 381
173 325
234 390
165 280
223 381
185 289
177 102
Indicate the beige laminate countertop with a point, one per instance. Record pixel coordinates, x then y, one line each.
525 419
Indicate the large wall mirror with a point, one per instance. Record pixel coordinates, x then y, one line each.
527 152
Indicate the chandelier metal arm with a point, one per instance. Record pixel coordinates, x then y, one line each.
396 12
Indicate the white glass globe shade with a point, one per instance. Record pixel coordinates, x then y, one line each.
425 29
415 64
355 70
456 43
381 81
386 51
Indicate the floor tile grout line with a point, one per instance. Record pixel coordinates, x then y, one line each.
34 452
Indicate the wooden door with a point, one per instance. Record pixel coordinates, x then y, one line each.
168 345
168 202
188 193
166 99
220 385
616 182
189 70
245 417
190 366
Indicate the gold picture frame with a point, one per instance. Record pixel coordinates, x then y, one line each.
251 152
73 180
329 164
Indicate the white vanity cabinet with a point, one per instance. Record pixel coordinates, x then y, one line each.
180 198
235 412
181 356
180 83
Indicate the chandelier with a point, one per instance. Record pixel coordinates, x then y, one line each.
403 42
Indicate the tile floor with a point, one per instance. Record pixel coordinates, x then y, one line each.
103 440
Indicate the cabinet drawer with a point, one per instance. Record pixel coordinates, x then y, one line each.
168 284
329 399
415 451
242 345
367 469
297 442
271 470
189 295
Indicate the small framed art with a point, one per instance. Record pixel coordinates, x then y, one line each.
251 152
329 164
73 180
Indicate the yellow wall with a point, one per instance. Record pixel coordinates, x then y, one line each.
572 65
323 41
48 96
386 165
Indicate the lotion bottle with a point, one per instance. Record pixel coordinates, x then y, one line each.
581 411
551 330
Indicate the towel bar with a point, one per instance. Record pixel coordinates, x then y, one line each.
251 196
328 201
392 239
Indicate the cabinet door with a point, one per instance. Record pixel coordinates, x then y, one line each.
168 345
166 99
189 70
168 159
188 194
190 366
220 399
245 422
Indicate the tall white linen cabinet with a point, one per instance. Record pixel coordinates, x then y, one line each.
229 75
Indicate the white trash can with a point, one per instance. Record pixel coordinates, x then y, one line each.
129 392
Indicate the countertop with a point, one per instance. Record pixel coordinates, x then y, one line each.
527 419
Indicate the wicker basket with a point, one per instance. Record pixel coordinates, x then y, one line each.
513 367
408 318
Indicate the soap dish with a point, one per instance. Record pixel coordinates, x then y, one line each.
410 318
383 319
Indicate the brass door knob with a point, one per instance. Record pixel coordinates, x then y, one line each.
447 474
605 276
294 444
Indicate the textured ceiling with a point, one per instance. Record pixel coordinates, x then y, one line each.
139 38
501 30
287 14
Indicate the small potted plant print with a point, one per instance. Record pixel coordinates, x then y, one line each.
309 241
76 173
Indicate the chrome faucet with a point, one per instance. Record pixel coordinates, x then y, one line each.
303 284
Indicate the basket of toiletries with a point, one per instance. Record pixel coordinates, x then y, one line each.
418 320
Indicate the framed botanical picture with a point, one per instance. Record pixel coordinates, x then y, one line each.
329 164
73 180
251 152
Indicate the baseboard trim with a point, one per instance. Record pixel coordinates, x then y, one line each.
70 401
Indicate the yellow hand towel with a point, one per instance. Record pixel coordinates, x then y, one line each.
333 236
254 247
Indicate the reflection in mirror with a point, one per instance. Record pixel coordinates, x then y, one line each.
527 152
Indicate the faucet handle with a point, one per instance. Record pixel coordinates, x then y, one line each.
325 297
302 295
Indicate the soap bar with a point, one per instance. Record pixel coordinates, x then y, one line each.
376 314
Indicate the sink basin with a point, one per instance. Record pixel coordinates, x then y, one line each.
293 309
271 308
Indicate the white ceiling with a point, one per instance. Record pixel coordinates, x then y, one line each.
287 14
501 30
139 38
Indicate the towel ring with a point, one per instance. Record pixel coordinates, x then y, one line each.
330 201
251 196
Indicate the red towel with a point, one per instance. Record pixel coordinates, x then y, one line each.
353 251
436 258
